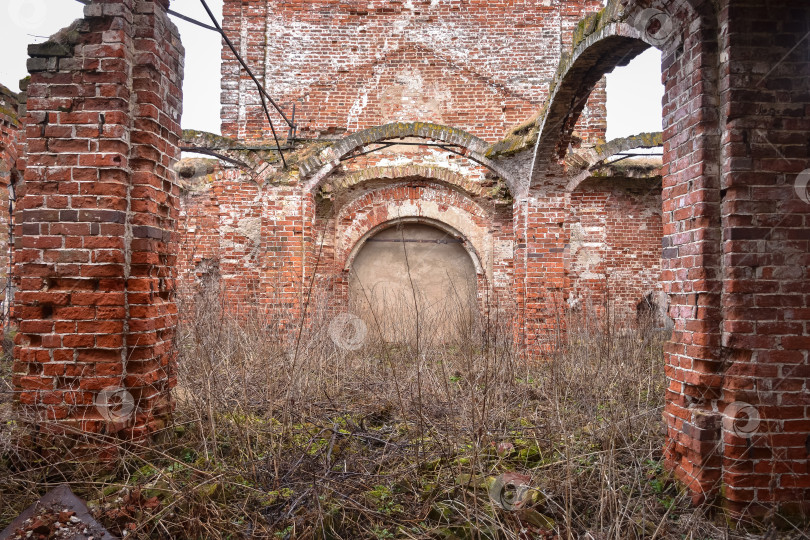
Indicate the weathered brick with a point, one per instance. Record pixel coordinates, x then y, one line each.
72 259
96 199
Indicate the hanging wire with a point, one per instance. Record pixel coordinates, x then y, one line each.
262 92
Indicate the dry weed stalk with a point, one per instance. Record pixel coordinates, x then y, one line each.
293 437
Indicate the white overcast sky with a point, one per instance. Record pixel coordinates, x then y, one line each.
634 92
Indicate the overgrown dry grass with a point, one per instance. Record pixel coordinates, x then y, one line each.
298 438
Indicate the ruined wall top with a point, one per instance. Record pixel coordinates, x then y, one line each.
476 65
9 102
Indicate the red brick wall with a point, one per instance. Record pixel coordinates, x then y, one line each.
252 236
96 218
476 65
620 219
220 230
9 174
614 251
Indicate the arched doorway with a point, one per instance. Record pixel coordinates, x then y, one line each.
413 278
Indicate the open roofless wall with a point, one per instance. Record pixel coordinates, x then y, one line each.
97 208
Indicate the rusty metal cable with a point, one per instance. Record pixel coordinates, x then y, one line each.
262 91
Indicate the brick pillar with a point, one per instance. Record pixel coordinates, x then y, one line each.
735 257
519 271
96 217
231 94
690 265
331 280
245 23
540 233
501 291
765 212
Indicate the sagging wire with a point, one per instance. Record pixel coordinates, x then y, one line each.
262 92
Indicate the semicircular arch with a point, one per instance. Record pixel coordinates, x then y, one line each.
614 45
416 220
317 168
441 175
427 203
611 39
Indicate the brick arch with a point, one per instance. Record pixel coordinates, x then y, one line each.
441 175
692 260
416 201
316 169
476 260
614 45
609 40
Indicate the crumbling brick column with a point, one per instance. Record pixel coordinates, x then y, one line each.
96 221
735 256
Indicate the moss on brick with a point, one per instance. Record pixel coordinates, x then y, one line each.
10 114
492 188
259 153
9 101
586 27
519 138
211 140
